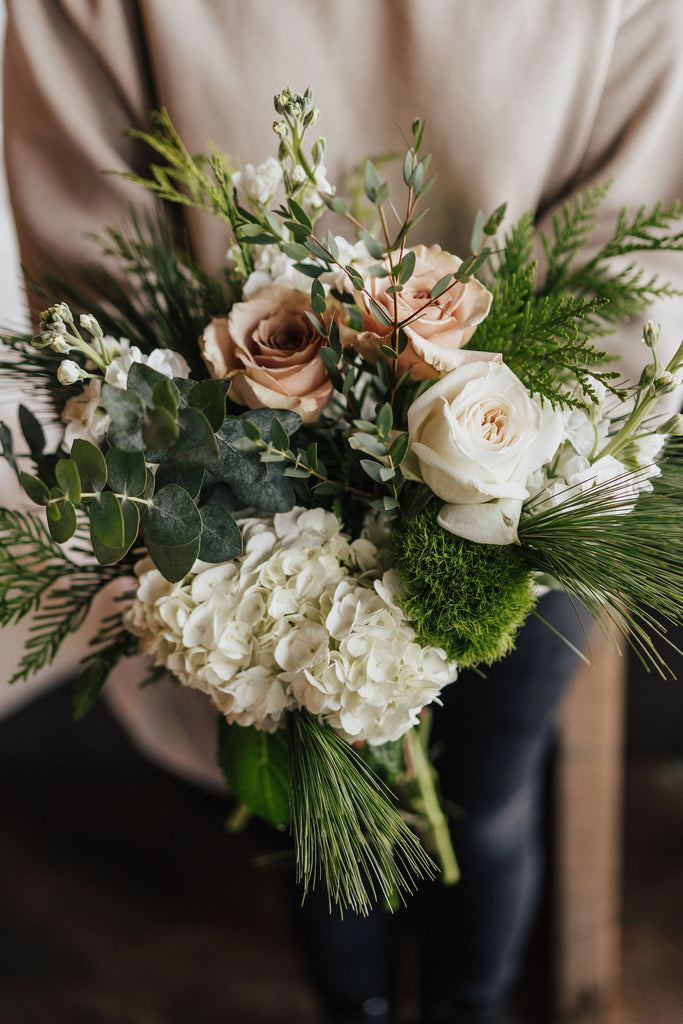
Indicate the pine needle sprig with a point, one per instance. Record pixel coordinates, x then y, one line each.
346 828
38 577
627 569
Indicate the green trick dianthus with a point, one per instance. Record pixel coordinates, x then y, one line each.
468 598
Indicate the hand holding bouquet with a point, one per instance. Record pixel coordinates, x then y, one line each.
338 471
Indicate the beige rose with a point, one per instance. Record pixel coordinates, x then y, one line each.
476 436
438 333
270 350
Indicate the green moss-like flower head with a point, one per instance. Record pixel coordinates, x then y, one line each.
468 598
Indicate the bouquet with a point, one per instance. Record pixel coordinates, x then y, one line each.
339 471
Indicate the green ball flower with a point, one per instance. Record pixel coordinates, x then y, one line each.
468 598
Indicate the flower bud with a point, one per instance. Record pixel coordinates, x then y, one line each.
673 426
69 372
60 345
651 334
90 324
665 382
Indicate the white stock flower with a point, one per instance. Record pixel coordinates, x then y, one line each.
287 625
84 415
260 182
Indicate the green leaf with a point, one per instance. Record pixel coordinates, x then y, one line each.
256 768
299 215
110 555
372 181
234 465
379 313
263 418
196 444
209 397
441 285
68 479
221 538
61 520
165 395
374 247
127 472
174 563
274 494
478 233
172 518
279 436
406 267
399 449
32 430
373 470
126 408
159 429
385 420
106 519
190 478
34 488
91 464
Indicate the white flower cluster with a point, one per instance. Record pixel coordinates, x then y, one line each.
295 621
272 266
575 469
85 416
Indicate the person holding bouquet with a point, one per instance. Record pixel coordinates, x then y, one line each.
527 106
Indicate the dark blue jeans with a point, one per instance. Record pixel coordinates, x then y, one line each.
494 733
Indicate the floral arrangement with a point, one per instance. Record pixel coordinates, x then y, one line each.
337 472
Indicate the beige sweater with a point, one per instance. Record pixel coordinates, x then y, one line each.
525 101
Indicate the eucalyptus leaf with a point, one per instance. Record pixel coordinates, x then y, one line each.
159 429
142 380
174 563
209 397
232 464
106 519
190 478
256 768
196 444
165 395
274 494
92 467
127 472
172 518
62 522
221 539
68 479
108 555
36 490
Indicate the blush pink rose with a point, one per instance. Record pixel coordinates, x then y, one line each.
438 333
270 350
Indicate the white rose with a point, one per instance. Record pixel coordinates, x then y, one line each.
477 435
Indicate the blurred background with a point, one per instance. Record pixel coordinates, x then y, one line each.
124 899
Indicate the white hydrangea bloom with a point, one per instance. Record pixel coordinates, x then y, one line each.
290 624
84 415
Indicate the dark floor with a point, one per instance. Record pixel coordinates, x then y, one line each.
124 901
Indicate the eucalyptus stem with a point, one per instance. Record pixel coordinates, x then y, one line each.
430 807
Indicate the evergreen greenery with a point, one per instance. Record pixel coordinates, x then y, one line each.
624 563
468 598
346 827
545 328
37 576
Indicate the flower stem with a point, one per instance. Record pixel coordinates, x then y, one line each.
431 808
